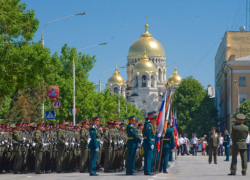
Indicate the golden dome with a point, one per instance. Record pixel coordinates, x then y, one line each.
175 78
146 43
116 79
144 65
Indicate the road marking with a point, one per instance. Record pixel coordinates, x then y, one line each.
29 176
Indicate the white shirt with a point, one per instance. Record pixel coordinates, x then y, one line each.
181 141
247 139
194 140
221 140
186 140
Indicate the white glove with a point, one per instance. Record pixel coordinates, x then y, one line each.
43 144
163 135
66 143
6 141
137 149
89 140
2 142
24 139
28 145
8 146
158 135
139 144
97 149
34 144
110 141
73 144
152 147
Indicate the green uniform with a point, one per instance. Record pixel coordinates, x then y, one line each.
139 156
239 135
108 149
39 149
213 143
83 166
17 148
60 149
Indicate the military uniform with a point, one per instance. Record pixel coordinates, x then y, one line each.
84 135
94 147
108 149
39 149
226 144
60 149
239 135
132 142
213 143
168 146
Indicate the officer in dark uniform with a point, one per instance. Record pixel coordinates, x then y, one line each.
94 146
226 143
168 146
132 142
239 135
149 145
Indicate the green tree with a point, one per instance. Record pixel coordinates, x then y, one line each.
196 111
244 109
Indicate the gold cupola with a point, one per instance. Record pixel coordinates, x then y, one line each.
175 78
116 78
144 65
146 43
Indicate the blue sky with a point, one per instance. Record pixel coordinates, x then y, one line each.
189 30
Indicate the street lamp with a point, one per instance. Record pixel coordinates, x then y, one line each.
238 95
74 99
105 72
42 40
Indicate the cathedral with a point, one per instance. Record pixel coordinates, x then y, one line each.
146 74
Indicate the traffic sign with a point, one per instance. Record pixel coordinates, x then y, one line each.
53 92
56 104
50 115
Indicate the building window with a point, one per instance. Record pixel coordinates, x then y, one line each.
144 81
115 90
242 98
242 81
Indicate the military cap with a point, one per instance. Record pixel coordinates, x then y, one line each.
153 117
63 122
101 125
122 124
131 117
32 124
110 122
95 118
136 119
241 116
151 113
86 121
213 128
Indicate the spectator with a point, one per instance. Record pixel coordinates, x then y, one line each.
194 142
203 146
220 149
186 141
180 145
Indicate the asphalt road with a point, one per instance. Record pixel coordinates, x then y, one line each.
184 168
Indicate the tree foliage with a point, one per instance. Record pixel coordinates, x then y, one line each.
196 111
244 109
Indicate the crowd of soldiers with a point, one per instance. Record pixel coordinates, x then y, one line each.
46 147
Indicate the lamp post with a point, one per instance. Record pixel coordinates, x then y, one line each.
105 72
238 95
42 41
74 98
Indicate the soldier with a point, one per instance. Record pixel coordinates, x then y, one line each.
39 148
168 145
84 135
149 145
94 146
60 146
99 156
138 163
2 148
132 142
213 143
226 143
18 142
239 135
108 148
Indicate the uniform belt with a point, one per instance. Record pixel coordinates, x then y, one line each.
152 139
130 138
98 139
225 141
166 139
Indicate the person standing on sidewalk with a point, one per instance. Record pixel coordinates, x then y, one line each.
220 148
180 145
213 143
194 142
239 135
226 143
186 142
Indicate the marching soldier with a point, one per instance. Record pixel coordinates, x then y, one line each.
226 143
84 135
17 148
168 146
108 149
132 143
239 135
149 145
213 143
60 146
94 146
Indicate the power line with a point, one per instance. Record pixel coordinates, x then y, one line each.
202 57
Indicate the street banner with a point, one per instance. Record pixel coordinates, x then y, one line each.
53 92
